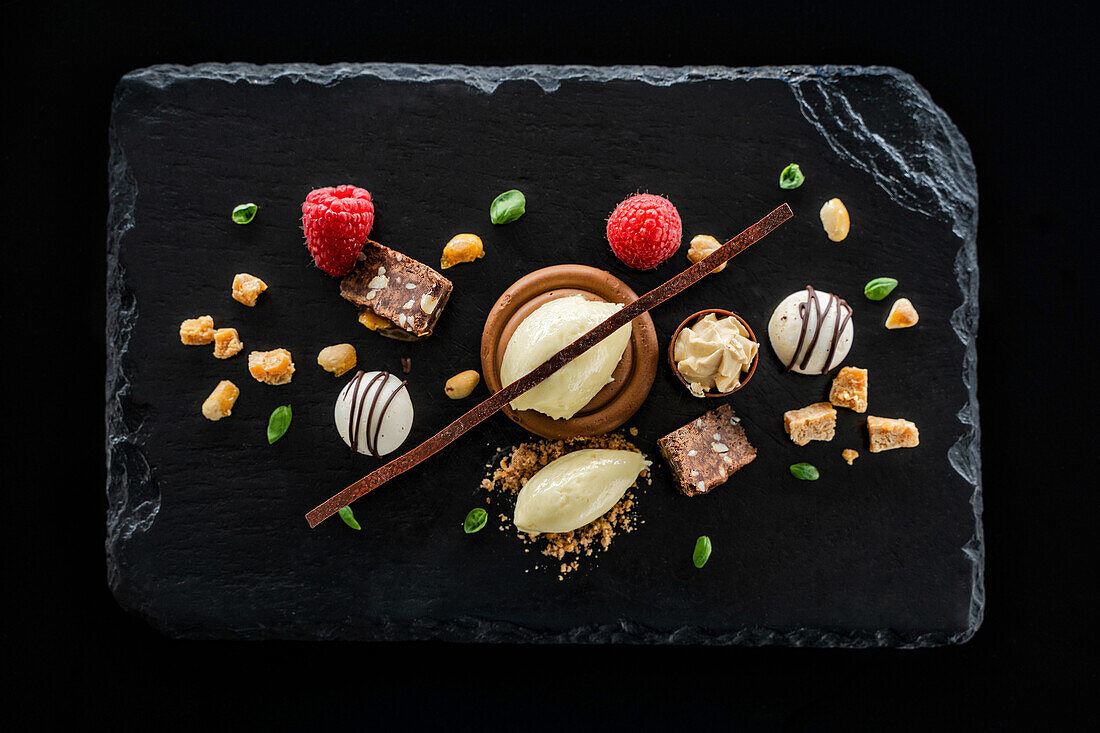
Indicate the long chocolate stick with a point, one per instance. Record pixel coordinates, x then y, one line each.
614 322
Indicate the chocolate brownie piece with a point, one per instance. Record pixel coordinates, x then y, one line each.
408 294
707 451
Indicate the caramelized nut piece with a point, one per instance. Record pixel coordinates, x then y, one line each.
849 455
246 288
814 422
226 343
834 217
461 248
701 246
271 367
220 402
374 322
850 389
888 433
902 314
337 359
197 331
462 384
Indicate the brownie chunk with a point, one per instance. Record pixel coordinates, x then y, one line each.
707 451
406 293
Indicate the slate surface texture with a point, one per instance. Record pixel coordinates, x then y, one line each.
205 530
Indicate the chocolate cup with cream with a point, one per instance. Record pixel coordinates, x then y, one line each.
633 376
689 321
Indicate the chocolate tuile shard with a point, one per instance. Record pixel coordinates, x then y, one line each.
481 412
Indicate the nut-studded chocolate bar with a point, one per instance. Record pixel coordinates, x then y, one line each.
707 451
408 294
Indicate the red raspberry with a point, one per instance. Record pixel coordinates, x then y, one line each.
644 231
336 222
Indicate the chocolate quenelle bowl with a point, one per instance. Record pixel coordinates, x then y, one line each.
633 376
720 313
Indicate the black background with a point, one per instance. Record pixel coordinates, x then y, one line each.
1016 79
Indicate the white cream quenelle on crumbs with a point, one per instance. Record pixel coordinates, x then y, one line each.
575 489
546 331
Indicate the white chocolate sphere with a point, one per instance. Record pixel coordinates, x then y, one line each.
571 491
786 325
384 430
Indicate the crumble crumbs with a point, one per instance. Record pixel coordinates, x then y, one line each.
517 466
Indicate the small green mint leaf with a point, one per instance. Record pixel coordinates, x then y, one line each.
507 207
348 517
702 551
475 520
805 472
879 288
278 423
245 213
791 177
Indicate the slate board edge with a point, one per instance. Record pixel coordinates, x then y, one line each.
134 500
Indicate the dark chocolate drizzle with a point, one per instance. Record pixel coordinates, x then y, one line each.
355 415
838 327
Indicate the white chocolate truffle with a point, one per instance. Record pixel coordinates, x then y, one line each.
810 317
376 409
545 332
575 489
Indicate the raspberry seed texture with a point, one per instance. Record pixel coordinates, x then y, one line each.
644 231
336 221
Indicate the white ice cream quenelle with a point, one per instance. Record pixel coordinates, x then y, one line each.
546 331
376 408
575 489
821 312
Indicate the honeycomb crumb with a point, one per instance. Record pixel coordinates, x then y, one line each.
835 220
338 358
902 314
227 343
197 331
814 422
247 288
702 246
850 389
849 455
524 461
271 367
374 322
220 402
461 248
888 433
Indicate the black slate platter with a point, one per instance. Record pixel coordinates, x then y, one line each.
205 530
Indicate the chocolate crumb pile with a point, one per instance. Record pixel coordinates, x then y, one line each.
525 460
